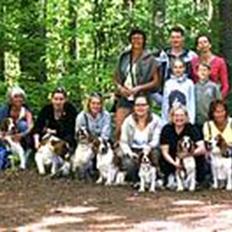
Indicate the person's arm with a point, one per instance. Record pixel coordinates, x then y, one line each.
124 139
192 104
200 148
223 75
154 83
106 129
156 131
167 156
165 105
80 121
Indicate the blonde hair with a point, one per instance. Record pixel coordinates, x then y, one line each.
178 107
15 90
90 98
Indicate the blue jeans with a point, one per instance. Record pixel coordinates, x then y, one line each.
22 126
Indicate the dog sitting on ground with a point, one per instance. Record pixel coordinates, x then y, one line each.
82 160
186 176
108 164
8 129
148 165
221 161
53 152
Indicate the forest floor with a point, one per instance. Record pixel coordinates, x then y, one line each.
29 202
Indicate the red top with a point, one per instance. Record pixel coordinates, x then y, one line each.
219 73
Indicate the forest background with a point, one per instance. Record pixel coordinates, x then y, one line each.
76 43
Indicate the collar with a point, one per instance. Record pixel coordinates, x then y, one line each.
179 79
184 52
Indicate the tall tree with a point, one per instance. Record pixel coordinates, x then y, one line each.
2 41
225 13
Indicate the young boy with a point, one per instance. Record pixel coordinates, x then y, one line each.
206 91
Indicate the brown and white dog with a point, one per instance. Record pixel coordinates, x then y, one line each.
8 129
108 164
221 161
84 153
148 165
53 152
186 177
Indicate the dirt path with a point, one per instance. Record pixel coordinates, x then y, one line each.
32 203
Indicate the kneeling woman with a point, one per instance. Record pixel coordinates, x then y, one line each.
172 132
95 119
140 132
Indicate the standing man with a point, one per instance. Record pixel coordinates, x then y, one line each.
167 55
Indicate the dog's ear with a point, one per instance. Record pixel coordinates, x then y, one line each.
192 146
4 125
95 141
179 147
153 159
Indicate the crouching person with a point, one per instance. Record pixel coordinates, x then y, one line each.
54 131
180 141
139 138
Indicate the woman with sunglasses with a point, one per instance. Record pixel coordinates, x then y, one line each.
95 119
57 118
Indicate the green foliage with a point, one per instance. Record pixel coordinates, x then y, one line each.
76 43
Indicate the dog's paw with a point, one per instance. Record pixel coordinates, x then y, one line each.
152 190
180 189
108 183
141 190
99 181
228 187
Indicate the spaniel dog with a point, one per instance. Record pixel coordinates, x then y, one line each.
54 153
186 176
8 129
148 165
108 163
221 161
82 160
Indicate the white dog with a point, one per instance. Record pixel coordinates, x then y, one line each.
52 152
108 165
186 177
8 129
221 162
147 172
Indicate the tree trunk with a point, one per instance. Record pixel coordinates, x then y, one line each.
157 24
33 42
2 42
225 13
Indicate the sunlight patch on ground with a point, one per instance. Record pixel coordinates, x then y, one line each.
49 221
74 210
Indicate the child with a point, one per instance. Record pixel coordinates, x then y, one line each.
206 91
179 89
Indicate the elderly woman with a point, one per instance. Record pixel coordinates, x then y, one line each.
172 132
136 73
140 132
219 123
58 118
95 118
19 112
218 68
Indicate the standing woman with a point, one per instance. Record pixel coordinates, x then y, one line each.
58 118
140 132
136 73
219 73
95 119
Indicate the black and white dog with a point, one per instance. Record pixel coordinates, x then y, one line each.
54 153
108 164
82 160
186 177
147 171
8 129
221 161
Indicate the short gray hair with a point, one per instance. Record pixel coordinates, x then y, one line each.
15 90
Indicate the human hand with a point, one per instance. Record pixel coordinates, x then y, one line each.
17 137
125 92
135 90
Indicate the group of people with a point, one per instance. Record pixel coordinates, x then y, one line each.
190 88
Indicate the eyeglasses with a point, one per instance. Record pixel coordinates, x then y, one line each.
141 104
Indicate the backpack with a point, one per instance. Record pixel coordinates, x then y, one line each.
4 161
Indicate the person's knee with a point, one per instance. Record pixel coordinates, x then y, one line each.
22 126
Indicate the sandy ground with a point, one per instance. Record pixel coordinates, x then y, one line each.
29 202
